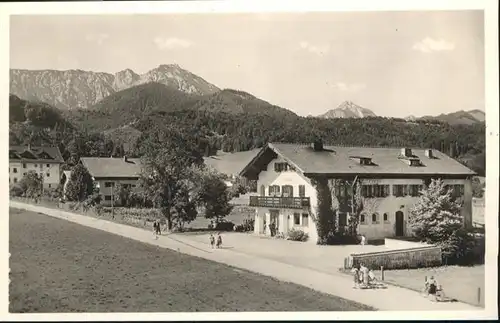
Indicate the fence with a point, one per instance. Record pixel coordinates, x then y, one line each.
429 256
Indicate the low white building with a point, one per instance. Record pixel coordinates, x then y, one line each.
391 179
109 172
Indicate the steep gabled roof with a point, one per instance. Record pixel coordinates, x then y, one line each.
335 160
35 154
100 167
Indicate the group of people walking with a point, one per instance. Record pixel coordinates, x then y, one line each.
217 243
214 242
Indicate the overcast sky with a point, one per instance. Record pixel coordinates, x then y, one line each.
394 63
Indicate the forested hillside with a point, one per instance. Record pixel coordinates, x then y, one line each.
228 120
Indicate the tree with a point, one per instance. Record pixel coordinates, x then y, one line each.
31 185
122 194
80 185
168 155
214 195
436 219
477 188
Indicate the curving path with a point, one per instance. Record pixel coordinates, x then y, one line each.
320 280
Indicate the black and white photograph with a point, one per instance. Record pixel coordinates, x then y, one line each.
195 158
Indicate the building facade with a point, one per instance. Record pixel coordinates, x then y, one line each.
390 180
45 161
108 173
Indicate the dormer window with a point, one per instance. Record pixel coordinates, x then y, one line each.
281 167
415 162
366 161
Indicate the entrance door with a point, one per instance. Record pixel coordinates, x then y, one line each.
275 221
399 224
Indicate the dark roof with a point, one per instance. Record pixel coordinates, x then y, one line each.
35 154
100 167
337 160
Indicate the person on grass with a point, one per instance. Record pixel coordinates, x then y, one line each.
356 274
431 286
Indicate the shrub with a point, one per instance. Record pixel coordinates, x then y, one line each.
247 226
342 239
297 235
16 190
224 226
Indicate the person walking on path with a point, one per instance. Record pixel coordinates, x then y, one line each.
219 241
212 240
155 229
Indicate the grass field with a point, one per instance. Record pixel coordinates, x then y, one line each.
58 266
460 283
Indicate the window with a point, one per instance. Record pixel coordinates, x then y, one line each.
50 185
274 190
36 165
287 191
375 190
24 165
281 167
296 218
48 165
305 219
48 174
24 174
362 219
107 197
386 217
109 184
133 185
374 218
15 179
14 170
400 190
262 190
414 190
302 190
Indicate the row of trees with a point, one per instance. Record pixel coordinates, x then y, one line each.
174 180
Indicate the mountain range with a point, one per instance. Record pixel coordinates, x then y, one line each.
72 89
173 88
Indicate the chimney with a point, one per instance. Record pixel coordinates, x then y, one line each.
125 159
428 153
406 152
318 145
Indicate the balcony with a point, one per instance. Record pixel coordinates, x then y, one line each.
279 202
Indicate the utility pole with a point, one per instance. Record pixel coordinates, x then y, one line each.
112 200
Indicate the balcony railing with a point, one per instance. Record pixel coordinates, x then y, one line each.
279 202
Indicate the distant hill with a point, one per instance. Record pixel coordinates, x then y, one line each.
129 106
459 117
348 110
77 89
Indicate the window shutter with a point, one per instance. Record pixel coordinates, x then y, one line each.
277 190
302 190
291 191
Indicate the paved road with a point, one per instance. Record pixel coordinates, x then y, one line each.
392 298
